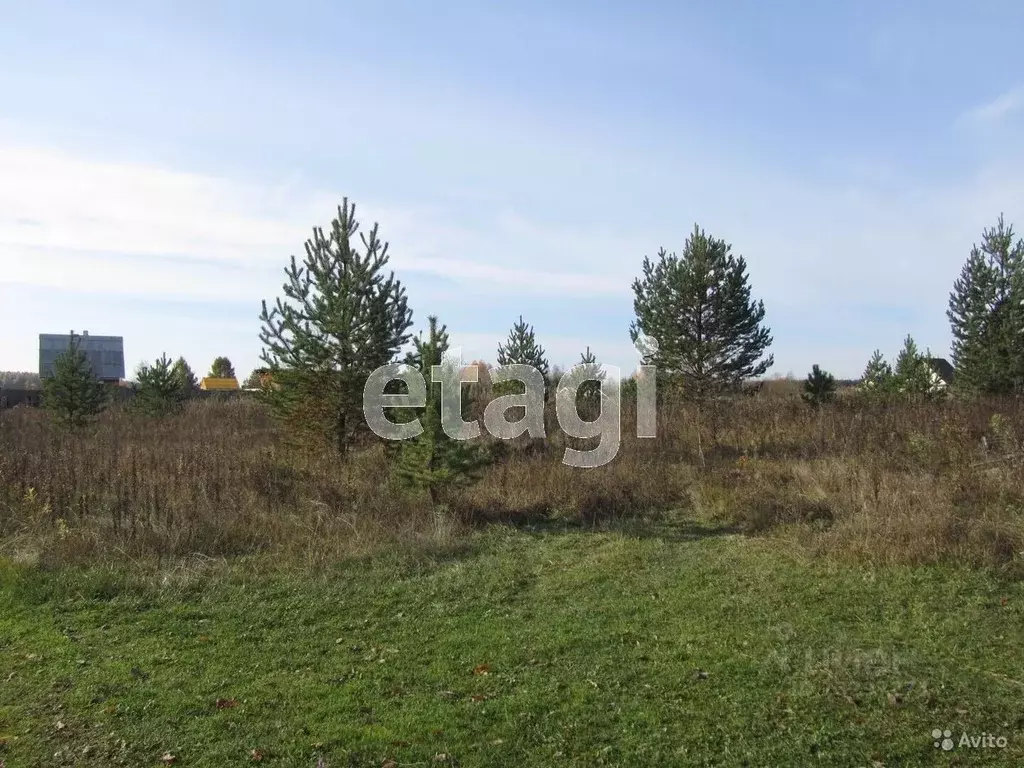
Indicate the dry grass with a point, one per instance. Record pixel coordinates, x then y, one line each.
886 483
214 480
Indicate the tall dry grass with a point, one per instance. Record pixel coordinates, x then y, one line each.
897 482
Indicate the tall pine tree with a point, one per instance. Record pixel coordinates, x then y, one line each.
699 311
342 318
986 315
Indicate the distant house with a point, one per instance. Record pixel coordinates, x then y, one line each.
105 354
216 384
258 379
9 398
942 372
483 369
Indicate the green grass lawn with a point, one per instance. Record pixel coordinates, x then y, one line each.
541 648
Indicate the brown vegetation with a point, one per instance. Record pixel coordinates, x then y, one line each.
894 483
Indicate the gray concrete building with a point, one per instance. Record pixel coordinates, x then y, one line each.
104 353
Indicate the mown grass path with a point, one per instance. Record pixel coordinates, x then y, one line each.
530 649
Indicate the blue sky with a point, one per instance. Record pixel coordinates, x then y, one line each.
160 162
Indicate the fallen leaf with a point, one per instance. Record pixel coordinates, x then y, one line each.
204 638
440 757
256 755
1004 600
477 697
227 703
60 725
482 669
894 699
168 759
389 763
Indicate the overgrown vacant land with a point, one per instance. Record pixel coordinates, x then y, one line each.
833 585
773 579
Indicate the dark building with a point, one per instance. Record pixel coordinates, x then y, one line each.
941 368
104 353
9 398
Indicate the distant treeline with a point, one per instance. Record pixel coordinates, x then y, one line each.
20 380
14 392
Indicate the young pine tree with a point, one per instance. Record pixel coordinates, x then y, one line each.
698 310
434 461
187 382
521 348
342 318
986 315
73 394
159 391
912 375
588 374
877 377
819 388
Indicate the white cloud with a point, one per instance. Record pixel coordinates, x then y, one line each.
993 112
52 199
68 221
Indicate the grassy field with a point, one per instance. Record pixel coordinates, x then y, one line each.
680 645
827 588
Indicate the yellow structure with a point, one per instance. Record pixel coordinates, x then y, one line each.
211 383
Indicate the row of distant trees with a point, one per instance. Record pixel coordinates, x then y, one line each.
343 315
986 317
74 395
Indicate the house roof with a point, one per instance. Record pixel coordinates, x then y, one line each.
942 368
